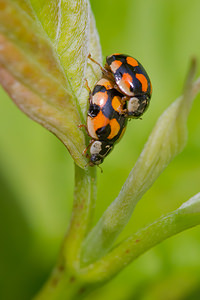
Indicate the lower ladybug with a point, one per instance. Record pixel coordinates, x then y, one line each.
106 122
131 80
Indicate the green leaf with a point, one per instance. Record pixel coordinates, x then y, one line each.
43 63
167 139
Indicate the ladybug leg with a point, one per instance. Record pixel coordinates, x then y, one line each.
124 99
88 89
84 126
85 152
106 72
86 149
125 110
86 85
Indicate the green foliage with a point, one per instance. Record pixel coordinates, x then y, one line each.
44 62
43 57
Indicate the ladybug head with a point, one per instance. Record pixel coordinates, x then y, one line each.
95 159
137 105
99 150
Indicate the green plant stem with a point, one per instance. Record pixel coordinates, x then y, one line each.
63 287
65 281
82 215
185 217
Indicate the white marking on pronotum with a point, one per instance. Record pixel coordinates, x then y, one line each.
133 104
96 147
59 21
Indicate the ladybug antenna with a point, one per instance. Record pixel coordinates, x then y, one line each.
100 168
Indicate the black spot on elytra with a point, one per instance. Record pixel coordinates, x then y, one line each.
98 88
103 132
93 111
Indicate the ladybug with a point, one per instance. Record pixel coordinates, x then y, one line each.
106 122
131 80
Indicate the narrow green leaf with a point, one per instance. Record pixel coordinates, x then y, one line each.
43 62
167 139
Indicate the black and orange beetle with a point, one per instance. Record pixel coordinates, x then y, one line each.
131 80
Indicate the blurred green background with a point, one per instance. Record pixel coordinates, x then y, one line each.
36 182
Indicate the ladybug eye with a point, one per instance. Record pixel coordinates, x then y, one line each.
96 159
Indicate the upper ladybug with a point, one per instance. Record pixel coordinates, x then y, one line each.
130 76
131 80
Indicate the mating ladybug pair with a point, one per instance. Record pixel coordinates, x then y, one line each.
123 92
